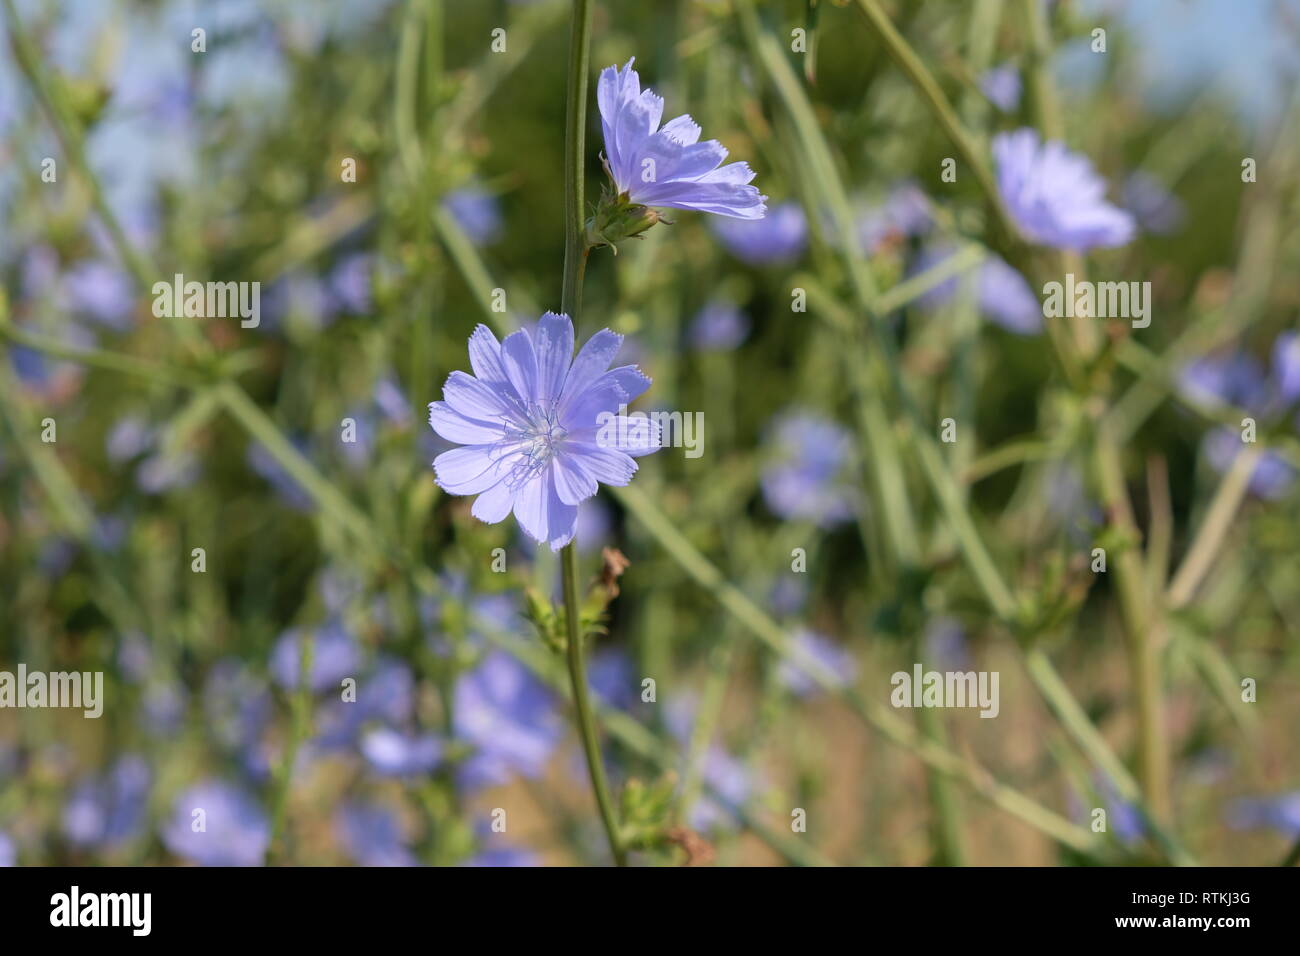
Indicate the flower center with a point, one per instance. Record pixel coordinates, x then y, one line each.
538 435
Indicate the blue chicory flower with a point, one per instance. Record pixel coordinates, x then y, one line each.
1055 196
540 428
667 166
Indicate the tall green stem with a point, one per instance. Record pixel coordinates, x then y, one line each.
575 146
575 260
584 714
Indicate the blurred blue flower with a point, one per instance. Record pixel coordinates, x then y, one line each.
335 655
130 436
391 753
134 657
1055 196
235 830
350 283
163 707
780 237
52 380
904 213
390 401
1273 475
612 679
595 526
668 166
1001 85
165 471
237 704
540 428
107 812
286 486
805 477
477 212
1280 812
100 292
823 651
8 850
945 644
372 835
1157 210
1286 367
504 856
719 326
1002 293
789 594
1237 379
508 716
732 782
389 693
1234 379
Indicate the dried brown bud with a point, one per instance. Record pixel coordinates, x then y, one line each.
613 564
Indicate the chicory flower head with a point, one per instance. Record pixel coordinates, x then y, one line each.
1055 196
668 166
539 427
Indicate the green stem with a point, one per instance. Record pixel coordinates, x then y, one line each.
1214 528
945 488
575 133
300 721
585 717
1293 857
1005 234
575 259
